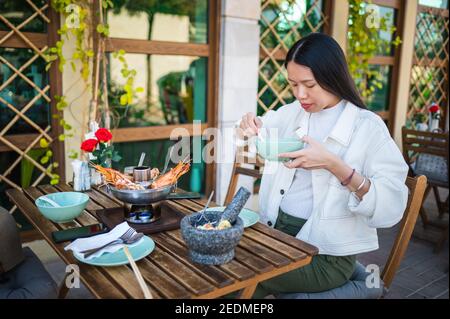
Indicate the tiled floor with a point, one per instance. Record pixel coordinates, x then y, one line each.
422 273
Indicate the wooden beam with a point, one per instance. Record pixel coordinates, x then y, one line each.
157 47
339 22
279 55
55 78
22 141
426 61
214 28
402 87
38 39
388 3
383 114
328 9
135 134
382 60
395 70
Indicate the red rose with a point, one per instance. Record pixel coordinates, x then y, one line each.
89 145
434 108
103 135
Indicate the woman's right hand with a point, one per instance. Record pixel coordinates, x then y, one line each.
250 124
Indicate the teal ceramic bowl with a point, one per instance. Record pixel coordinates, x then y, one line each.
270 148
72 205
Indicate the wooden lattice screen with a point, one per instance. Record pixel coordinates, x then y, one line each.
16 37
283 22
429 78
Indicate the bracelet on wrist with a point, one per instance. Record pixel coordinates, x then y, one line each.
348 179
360 185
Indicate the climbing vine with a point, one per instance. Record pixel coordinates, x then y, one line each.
90 53
364 42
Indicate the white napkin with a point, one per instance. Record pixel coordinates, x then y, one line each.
82 244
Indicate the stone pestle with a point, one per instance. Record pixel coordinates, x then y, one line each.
235 206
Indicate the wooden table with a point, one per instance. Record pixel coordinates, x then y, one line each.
262 253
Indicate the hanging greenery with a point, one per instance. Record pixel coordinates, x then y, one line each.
365 25
90 52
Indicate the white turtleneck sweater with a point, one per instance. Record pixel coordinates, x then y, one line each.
298 200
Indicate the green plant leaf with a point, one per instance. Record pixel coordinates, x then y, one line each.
73 154
43 143
100 28
123 99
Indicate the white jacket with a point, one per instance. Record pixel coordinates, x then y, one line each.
341 224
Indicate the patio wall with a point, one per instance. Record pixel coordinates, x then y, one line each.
238 83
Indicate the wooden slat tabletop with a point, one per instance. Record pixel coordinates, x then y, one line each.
261 254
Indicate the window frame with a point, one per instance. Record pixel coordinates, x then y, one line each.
210 50
393 61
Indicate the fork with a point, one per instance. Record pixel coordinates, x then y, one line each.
202 213
129 237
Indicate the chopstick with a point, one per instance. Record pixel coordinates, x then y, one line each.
137 273
141 159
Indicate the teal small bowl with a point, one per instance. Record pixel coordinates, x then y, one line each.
72 205
270 148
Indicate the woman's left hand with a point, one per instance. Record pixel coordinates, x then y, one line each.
314 157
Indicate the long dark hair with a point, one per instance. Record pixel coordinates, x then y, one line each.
323 55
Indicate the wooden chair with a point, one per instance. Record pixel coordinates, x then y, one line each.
253 169
356 287
416 186
427 154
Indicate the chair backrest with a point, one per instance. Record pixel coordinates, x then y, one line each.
415 142
416 188
253 168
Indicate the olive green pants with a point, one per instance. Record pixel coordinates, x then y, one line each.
325 272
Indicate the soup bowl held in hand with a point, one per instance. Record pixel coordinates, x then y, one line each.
69 206
270 148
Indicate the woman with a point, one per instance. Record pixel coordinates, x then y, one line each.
347 181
